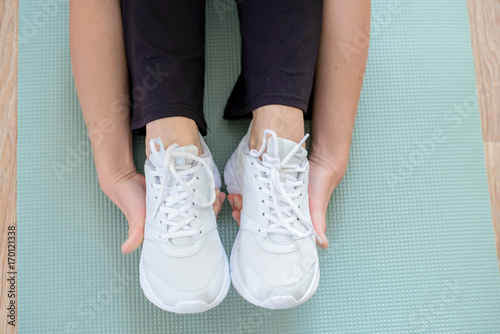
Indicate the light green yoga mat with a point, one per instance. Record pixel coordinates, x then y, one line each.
412 245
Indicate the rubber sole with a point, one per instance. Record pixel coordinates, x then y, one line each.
273 302
188 307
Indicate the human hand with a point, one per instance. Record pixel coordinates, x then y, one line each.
219 200
236 202
324 176
128 192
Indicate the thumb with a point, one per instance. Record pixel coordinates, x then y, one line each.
131 201
318 216
321 186
134 239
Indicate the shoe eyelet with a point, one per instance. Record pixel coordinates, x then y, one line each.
251 163
262 201
195 216
260 188
194 190
255 175
197 178
259 230
201 232
301 194
263 213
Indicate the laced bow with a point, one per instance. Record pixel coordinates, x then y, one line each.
280 175
178 205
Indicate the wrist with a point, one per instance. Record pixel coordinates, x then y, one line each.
114 163
332 157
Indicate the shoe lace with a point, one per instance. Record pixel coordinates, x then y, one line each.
178 205
282 184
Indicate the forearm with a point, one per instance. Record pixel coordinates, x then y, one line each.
100 74
341 66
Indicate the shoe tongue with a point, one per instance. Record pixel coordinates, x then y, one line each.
191 149
284 147
179 162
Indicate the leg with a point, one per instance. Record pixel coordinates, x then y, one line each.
280 45
286 121
280 42
165 50
164 42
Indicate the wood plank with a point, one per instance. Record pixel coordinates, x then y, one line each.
492 154
484 16
8 140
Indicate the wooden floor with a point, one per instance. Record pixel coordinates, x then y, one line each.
8 143
484 18
485 29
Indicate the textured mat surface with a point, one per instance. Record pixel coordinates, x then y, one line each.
410 225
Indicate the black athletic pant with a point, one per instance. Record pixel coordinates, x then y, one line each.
165 47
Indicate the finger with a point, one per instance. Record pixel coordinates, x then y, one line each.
319 192
230 199
237 216
134 240
222 197
217 208
236 201
218 203
136 216
317 207
319 223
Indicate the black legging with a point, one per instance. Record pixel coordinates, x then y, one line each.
165 47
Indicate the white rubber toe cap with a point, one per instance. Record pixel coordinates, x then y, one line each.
170 298
281 295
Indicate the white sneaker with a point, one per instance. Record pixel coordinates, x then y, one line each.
183 266
274 261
